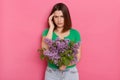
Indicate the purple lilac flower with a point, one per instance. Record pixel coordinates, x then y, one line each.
51 57
51 48
76 45
48 41
62 50
54 52
46 52
75 51
57 56
57 43
63 45
67 41
58 46
55 61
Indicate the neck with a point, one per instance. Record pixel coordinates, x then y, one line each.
59 30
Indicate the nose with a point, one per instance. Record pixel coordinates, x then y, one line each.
59 19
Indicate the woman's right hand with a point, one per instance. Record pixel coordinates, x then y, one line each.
51 24
62 68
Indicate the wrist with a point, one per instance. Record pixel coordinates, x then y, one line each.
51 28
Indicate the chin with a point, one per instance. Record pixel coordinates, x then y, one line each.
60 26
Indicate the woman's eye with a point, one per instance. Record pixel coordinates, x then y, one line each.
55 16
58 16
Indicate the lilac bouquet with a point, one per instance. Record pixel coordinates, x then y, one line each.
60 51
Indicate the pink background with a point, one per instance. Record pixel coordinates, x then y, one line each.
21 25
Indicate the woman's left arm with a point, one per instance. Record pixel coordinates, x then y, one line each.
79 53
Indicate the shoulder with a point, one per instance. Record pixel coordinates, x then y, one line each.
75 31
76 34
45 31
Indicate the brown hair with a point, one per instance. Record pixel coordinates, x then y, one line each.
66 15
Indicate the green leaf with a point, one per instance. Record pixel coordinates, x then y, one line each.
59 63
70 51
70 57
42 56
66 62
51 61
71 43
63 58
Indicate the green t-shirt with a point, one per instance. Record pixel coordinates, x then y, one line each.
73 36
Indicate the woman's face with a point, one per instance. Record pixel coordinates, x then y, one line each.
59 18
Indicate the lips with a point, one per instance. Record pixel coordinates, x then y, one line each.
60 23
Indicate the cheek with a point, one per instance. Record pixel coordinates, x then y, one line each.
55 20
62 20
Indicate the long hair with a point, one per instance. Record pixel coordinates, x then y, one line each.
66 15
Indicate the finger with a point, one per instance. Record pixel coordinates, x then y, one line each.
51 16
64 66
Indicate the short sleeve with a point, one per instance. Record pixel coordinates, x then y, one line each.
78 36
44 33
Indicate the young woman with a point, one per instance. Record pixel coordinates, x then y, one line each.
60 26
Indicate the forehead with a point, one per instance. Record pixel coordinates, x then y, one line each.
58 13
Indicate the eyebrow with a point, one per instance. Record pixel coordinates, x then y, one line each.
58 16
